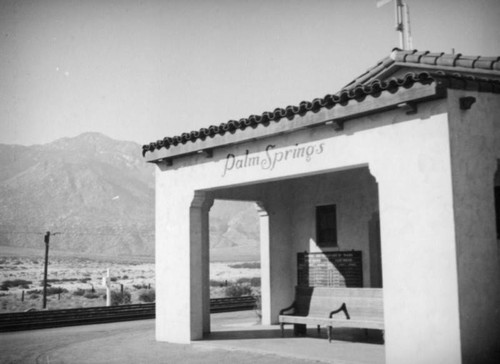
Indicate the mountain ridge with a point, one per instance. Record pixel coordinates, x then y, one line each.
97 191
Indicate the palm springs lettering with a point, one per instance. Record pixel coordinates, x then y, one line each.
271 157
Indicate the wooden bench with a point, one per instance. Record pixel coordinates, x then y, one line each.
334 307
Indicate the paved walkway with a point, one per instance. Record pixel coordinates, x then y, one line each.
236 338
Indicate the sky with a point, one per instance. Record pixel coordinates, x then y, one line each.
141 70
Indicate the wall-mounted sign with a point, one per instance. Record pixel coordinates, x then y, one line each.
330 269
271 157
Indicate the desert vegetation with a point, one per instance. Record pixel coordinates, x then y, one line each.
77 282
72 282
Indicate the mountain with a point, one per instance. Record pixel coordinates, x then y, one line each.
99 194
234 224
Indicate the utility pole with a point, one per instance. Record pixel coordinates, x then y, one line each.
47 241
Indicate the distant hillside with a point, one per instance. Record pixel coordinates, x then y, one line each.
99 193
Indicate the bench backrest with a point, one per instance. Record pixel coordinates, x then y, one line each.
362 303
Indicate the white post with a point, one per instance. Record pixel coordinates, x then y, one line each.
106 281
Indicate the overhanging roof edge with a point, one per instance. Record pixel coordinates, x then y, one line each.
338 114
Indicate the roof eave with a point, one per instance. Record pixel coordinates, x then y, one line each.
336 116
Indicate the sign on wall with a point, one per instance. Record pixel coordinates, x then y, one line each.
330 269
272 157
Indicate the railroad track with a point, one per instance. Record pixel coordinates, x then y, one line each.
32 320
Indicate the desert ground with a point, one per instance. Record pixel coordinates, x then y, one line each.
77 281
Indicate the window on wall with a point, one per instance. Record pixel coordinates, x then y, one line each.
326 226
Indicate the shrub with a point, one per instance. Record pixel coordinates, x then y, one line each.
238 291
55 290
216 283
147 295
249 265
120 298
79 292
90 295
15 283
140 286
50 291
243 280
255 282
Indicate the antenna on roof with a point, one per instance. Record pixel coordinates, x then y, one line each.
402 22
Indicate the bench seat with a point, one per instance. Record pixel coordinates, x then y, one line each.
333 307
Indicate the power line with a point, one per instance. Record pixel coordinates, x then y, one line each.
22 232
82 233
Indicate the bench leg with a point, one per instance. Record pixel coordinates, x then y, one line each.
299 330
383 336
282 330
319 329
329 331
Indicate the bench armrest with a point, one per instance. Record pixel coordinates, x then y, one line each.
342 308
282 311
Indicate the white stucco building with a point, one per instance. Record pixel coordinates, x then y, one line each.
404 160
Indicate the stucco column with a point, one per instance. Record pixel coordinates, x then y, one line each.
265 261
182 262
474 163
282 263
172 265
200 264
418 253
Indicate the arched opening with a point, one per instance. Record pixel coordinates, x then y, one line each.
235 266
288 214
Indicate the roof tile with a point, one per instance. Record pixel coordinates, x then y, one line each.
415 57
359 90
447 60
430 58
359 93
466 61
486 62
402 54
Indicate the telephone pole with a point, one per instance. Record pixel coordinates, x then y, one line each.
47 241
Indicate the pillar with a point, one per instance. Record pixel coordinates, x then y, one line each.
265 261
182 263
282 262
200 264
419 263
474 163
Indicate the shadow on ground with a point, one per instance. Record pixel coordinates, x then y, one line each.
347 335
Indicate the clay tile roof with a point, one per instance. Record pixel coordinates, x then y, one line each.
448 70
